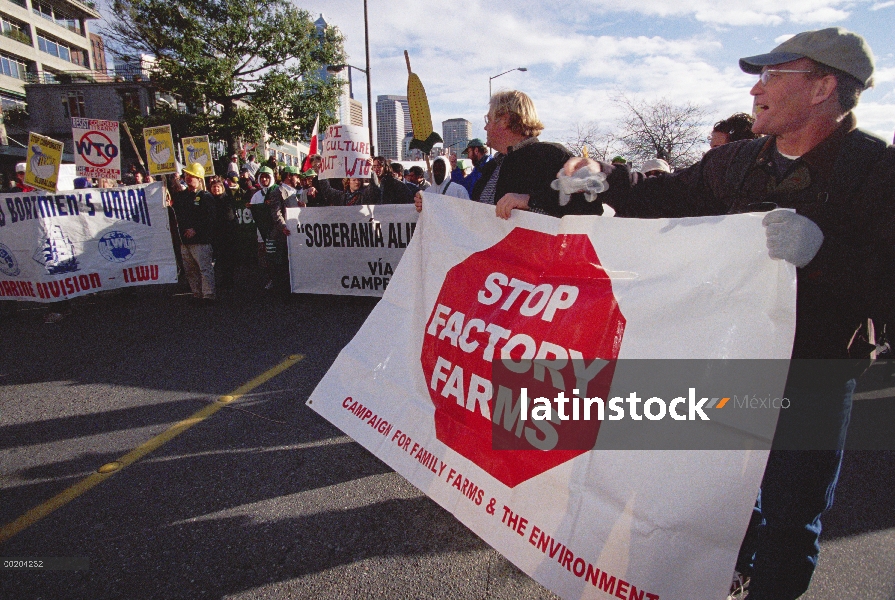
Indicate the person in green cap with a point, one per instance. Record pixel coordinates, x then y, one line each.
307 193
290 185
261 215
277 200
479 156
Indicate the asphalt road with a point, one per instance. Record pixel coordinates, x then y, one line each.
264 499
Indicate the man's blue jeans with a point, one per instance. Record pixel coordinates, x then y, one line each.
780 549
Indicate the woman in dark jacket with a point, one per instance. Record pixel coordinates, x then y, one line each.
357 191
225 232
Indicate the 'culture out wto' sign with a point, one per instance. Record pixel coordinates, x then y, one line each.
346 152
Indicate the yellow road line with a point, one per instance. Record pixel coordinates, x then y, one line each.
39 512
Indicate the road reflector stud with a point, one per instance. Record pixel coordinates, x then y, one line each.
109 467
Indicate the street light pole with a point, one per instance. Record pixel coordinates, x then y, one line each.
338 69
369 89
523 69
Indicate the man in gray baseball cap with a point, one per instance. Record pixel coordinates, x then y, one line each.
835 186
834 47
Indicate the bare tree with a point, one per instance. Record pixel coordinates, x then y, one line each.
599 144
657 129
660 129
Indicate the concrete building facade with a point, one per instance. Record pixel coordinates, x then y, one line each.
392 121
41 40
456 133
60 102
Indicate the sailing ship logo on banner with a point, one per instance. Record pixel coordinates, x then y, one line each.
57 253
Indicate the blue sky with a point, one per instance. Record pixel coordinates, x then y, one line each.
579 54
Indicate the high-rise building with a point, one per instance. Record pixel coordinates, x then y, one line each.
42 41
408 125
456 133
392 123
355 113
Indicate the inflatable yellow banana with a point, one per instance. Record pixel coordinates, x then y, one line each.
420 116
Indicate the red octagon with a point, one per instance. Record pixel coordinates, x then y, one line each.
530 296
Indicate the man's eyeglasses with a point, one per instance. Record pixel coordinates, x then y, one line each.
765 76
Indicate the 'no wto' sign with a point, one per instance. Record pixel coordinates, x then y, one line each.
97 148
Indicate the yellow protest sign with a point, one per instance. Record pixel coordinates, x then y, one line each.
198 150
160 150
42 162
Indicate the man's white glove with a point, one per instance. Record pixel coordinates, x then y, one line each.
588 180
792 237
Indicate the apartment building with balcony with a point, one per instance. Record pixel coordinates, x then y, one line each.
41 40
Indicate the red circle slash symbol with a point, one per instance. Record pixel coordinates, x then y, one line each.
96 144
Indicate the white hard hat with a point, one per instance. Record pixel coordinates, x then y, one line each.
20 168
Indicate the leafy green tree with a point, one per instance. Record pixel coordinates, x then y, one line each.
258 60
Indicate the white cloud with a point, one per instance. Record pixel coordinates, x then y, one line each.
886 75
820 15
881 5
733 12
877 117
577 61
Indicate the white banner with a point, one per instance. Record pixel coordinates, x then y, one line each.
58 246
634 524
97 148
347 250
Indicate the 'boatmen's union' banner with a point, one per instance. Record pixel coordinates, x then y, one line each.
346 152
347 250
58 246
479 304
97 148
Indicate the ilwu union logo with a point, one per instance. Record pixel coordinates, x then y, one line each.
117 246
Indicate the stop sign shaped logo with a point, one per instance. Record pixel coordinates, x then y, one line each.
534 311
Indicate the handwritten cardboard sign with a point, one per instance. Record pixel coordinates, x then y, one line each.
346 152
